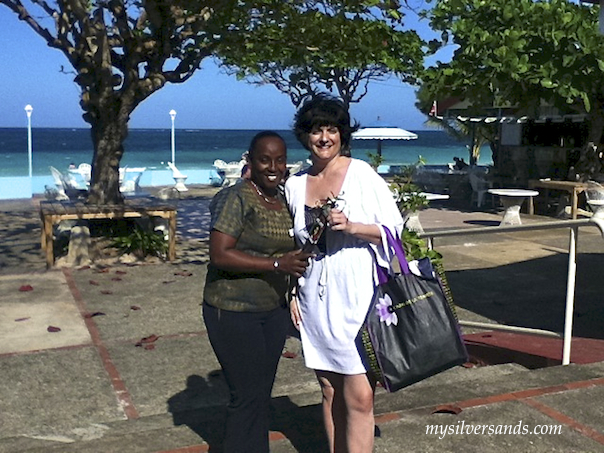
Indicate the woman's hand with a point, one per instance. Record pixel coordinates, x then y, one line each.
294 263
337 221
294 312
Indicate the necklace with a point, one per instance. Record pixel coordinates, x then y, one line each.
271 200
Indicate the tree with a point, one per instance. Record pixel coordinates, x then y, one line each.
521 53
304 47
478 134
122 51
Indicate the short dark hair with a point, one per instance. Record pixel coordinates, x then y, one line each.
324 110
259 136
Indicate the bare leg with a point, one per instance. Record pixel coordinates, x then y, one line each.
348 411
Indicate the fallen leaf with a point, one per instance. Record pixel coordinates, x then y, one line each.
116 279
134 307
146 340
92 315
93 282
289 355
102 270
22 319
53 329
447 409
106 291
184 273
24 288
121 272
166 282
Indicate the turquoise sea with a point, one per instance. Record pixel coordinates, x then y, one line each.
195 151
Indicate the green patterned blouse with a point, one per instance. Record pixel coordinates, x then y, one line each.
260 231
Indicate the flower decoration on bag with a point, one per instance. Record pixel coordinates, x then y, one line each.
385 310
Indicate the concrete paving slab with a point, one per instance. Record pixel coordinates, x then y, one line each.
497 417
177 374
26 316
140 301
51 394
575 404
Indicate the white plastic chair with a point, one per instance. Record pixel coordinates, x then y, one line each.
480 186
66 187
595 198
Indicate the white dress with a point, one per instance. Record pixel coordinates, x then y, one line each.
336 290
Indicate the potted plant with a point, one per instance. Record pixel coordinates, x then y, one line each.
408 196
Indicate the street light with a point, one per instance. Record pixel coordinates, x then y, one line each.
28 110
173 115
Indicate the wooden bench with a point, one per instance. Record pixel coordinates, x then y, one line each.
53 212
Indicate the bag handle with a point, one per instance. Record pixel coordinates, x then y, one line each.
399 251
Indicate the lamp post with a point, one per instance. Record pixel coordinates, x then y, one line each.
28 110
173 115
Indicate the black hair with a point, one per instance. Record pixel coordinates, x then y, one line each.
324 110
259 136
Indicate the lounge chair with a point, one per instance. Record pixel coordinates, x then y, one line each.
294 168
130 180
67 187
230 172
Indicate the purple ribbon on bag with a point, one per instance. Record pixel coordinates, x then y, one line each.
399 251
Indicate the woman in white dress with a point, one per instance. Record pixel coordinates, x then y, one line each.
335 292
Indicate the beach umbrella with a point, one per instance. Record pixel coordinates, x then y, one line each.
380 131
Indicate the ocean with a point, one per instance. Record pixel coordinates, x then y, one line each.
195 152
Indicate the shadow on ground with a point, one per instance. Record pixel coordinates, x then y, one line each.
301 425
539 293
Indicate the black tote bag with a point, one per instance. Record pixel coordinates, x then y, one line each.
411 332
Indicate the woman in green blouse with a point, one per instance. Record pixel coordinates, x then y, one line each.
252 256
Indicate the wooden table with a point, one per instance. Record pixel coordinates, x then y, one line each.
512 200
52 212
572 187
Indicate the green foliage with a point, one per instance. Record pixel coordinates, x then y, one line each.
519 52
417 248
141 242
337 46
375 160
409 198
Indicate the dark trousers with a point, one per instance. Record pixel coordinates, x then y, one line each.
248 347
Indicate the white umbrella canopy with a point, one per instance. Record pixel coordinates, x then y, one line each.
381 130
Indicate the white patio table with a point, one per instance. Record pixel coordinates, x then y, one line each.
512 200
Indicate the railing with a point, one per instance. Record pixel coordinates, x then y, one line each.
573 226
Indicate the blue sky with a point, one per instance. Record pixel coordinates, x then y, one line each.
30 74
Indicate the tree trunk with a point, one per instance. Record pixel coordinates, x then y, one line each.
108 137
